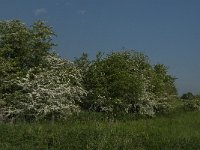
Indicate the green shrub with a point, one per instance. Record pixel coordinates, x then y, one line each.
187 96
125 82
192 105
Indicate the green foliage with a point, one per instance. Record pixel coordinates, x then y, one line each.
192 105
23 45
163 84
187 96
125 82
191 102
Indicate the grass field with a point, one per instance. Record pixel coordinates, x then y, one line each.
92 131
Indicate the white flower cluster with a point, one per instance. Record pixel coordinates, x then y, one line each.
146 102
192 105
50 91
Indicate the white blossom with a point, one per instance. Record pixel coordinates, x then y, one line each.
54 90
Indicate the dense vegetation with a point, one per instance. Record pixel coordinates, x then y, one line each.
125 82
37 84
115 89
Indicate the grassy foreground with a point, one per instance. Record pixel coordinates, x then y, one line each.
179 131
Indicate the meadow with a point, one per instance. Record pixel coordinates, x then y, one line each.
94 131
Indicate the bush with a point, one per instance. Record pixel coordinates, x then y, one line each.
22 48
192 105
52 92
125 82
187 96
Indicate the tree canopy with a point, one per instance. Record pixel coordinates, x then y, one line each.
125 81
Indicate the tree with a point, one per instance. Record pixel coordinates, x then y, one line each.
25 45
187 96
21 48
123 82
162 82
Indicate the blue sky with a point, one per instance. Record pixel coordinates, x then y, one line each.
168 31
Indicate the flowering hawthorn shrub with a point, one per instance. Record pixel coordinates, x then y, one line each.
47 92
192 105
22 48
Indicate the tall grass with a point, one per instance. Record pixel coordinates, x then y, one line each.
93 131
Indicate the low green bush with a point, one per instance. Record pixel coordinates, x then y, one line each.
192 105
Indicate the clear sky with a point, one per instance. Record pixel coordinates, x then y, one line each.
168 31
